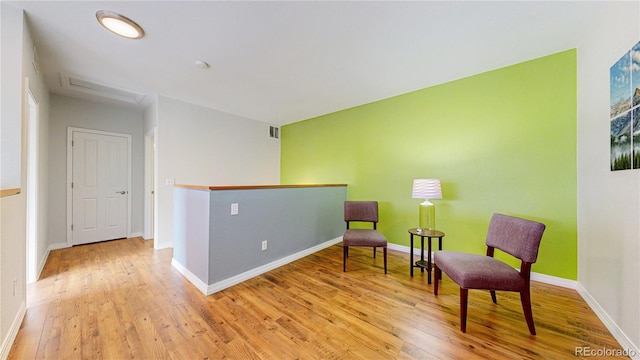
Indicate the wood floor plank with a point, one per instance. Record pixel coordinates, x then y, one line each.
122 299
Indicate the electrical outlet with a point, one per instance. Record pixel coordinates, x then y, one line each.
234 209
264 245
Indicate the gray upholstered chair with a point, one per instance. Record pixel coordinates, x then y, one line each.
362 211
515 236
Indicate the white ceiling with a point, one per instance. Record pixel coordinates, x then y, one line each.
281 62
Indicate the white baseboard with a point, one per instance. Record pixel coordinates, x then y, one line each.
13 331
543 278
627 345
57 246
135 234
159 246
554 280
404 249
221 285
44 259
199 284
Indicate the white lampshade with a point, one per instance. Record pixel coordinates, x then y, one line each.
426 189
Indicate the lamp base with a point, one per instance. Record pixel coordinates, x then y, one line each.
427 219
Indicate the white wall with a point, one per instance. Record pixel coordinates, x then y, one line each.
11 32
17 55
13 208
40 92
150 117
608 201
67 111
201 146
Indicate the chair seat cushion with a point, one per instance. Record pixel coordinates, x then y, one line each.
364 237
473 271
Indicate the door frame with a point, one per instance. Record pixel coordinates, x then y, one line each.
32 187
150 191
70 131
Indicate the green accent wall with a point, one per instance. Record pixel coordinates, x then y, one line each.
501 141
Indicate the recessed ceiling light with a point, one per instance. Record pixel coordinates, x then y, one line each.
120 25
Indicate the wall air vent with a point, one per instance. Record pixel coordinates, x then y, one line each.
85 86
274 132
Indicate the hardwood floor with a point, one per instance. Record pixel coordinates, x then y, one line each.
122 299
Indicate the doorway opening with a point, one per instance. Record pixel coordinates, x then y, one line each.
32 188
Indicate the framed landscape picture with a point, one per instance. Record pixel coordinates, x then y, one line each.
624 114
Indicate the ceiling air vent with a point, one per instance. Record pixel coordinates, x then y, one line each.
274 132
78 84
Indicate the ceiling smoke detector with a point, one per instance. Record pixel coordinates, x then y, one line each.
202 64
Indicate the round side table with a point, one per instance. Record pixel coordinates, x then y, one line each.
422 264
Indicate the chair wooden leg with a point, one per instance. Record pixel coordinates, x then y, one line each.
493 296
345 255
374 252
525 297
384 252
464 296
437 272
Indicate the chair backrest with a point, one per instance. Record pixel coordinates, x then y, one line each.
361 211
518 237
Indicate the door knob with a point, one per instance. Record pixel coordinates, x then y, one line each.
121 192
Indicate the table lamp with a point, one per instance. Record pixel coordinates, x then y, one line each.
427 189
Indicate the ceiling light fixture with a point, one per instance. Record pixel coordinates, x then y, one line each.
120 25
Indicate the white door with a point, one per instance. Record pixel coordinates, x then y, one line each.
99 188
